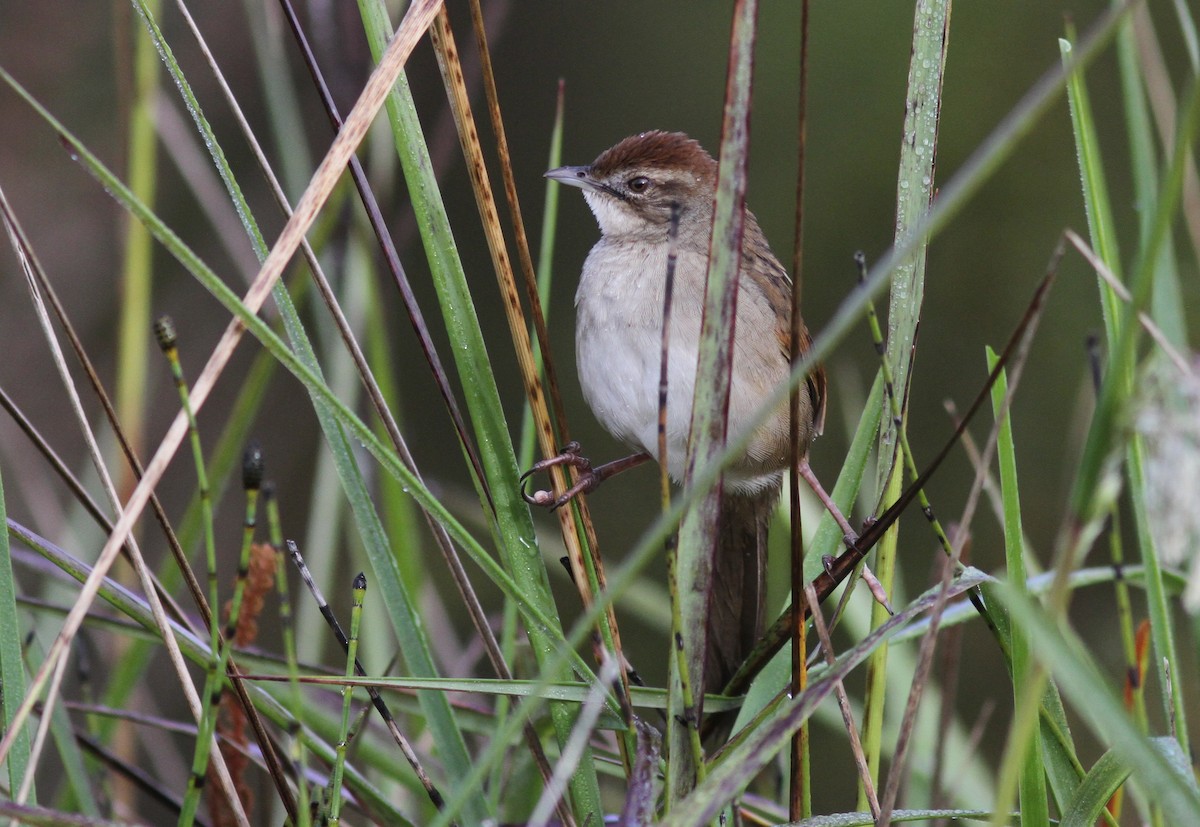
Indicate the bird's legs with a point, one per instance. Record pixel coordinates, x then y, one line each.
849 536
589 477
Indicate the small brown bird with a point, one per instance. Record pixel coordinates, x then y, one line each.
618 339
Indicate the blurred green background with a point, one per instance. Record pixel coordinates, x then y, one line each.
628 67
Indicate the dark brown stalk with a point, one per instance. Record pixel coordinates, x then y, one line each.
799 795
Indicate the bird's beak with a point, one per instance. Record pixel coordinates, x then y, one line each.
574 177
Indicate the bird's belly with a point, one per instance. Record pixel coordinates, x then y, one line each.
619 358
618 352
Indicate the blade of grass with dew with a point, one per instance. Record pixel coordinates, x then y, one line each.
399 513
898 817
1169 781
12 660
395 596
644 697
698 534
513 531
915 188
1097 206
1032 795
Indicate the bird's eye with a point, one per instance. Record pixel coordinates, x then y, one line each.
639 184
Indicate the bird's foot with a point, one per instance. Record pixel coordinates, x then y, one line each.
588 477
570 457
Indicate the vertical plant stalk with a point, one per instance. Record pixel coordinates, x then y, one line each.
710 407
339 764
206 725
545 265
799 789
918 153
1032 797
671 544
135 297
377 701
295 726
136 269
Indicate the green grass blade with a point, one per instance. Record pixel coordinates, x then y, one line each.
914 193
1167 307
1034 806
137 268
1104 778
1097 206
12 662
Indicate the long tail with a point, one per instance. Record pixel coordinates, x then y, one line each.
736 611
